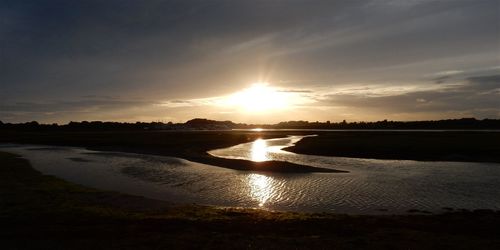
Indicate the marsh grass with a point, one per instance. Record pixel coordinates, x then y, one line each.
468 146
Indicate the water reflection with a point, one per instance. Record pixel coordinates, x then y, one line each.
261 188
258 151
370 187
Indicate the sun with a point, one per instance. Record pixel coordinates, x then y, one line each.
260 97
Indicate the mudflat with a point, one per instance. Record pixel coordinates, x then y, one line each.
39 211
190 145
467 146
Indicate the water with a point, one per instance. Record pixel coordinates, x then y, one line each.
370 186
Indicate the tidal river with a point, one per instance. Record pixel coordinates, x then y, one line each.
370 186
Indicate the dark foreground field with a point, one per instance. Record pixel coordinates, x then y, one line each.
470 146
43 212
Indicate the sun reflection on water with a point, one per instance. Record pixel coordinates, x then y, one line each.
260 188
258 151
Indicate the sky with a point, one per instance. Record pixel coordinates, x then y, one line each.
249 61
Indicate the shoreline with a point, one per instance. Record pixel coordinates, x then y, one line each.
235 164
194 145
78 156
40 211
457 146
185 148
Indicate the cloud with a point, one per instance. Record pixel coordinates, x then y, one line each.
448 73
92 108
477 96
484 83
474 96
295 91
72 106
187 52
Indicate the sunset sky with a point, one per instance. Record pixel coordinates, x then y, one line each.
249 61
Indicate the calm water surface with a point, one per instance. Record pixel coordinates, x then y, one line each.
371 186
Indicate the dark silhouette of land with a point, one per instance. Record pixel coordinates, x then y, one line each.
206 124
38 211
468 146
190 145
467 140
44 212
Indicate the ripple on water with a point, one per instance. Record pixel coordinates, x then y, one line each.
371 186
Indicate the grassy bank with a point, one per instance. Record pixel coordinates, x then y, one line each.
190 145
425 146
43 212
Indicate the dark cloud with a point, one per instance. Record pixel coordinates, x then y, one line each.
475 96
484 83
180 101
174 50
81 106
441 79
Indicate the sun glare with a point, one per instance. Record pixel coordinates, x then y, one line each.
261 188
259 150
260 97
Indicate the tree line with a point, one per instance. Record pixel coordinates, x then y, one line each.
206 124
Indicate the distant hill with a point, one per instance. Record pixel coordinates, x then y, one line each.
200 123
